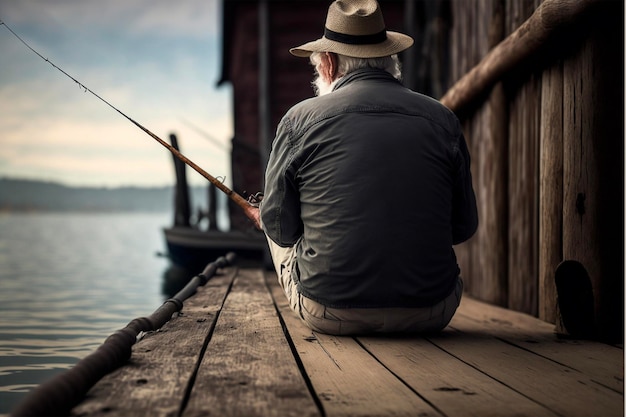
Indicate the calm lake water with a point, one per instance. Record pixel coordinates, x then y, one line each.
67 281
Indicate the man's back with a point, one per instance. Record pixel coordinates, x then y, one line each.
376 174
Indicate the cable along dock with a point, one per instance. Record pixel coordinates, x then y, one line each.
236 349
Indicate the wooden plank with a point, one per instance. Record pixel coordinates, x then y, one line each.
593 167
602 363
249 368
581 213
466 53
346 378
557 387
490 361
450 385
155 380
483 260
458 40
523 197
550 189
489 256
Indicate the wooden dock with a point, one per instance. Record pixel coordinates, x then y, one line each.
237 350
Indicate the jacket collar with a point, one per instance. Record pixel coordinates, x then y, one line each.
364 74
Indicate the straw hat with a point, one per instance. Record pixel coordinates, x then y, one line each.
356 28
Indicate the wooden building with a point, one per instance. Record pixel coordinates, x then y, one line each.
539 87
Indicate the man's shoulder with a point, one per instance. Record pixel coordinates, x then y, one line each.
435 110
308 112
363 99
304 106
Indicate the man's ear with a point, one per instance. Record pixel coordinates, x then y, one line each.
329 66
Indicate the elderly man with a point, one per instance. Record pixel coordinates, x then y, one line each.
367 188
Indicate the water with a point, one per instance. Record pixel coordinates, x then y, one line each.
67 281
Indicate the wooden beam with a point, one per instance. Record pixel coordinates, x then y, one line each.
550 189
248 368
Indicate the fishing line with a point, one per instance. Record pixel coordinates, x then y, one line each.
205 134
219 184
52 63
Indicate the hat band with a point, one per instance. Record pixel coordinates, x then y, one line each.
356 39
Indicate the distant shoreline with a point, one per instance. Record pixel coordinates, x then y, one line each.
32 196
34 211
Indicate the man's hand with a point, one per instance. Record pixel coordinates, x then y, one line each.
253 211
254 214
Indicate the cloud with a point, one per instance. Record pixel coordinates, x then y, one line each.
188 18
83 154
105 150
152 60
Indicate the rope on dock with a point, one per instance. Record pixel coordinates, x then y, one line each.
60 394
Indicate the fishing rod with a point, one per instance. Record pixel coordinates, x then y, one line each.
248 209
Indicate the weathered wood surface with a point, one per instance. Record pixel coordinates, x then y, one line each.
593 145
248 366
163 364
519 47
238 350
523 197
550 189
543 115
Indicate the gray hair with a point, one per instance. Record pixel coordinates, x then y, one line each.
347 64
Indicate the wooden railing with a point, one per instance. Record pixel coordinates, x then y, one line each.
522 45
543 116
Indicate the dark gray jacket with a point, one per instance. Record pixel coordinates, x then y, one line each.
372 184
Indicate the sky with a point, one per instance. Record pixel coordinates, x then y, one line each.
157 61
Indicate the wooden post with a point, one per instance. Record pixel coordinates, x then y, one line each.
212 207
461 62
492 180
182 209
593 189
492 235
523 197
550 189
483 259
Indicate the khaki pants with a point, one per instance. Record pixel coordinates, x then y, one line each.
350 321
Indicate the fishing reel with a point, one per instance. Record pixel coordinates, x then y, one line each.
255 199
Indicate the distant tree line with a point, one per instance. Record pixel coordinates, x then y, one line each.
21 195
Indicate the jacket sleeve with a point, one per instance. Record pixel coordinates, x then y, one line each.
280 208
464 210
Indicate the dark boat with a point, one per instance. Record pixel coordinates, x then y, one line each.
190 246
